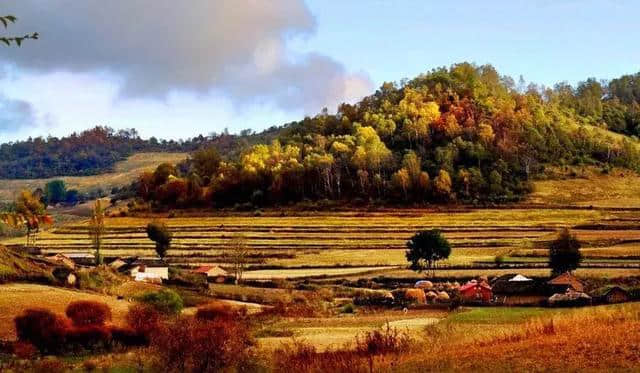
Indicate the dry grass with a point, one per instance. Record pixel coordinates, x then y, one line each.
124 173
15 298
589 339
619 188
332 332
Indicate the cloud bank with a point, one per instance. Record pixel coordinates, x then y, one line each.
236 48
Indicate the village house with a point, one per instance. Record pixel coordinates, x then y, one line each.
213 273
518 290
476 291
82 259
610 294
150 270
564 282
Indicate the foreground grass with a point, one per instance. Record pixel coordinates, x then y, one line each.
517 340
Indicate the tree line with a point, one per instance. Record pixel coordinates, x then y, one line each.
95 151
462 133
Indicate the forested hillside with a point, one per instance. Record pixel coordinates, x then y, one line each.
461 133
96 151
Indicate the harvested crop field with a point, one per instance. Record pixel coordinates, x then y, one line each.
347 243
324 244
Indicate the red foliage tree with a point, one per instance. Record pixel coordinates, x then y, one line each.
85 313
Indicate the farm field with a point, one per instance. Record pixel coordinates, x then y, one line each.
124 173
347 243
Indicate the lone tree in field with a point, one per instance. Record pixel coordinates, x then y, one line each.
160 234
96 229
564 253
425 248
239 253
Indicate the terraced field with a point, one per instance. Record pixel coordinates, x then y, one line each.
352 242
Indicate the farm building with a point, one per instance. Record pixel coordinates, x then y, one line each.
611 294
565 281
213 273
150 270
62 260
513 290
82 259
570 298
476 291
123 265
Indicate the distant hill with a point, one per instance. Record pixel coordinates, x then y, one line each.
464 133
97 150
123 173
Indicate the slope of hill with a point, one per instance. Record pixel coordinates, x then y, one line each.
97 150
457 134
124 172
15 266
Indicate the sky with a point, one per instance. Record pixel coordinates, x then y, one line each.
177 69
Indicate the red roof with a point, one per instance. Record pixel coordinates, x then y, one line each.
203 269
473 284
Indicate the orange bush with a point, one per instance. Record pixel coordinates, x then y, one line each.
189 344
90 337
144 319
42 328
215 311
85 313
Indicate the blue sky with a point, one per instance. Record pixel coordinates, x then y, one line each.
256 63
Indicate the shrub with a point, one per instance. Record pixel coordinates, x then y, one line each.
382 342
299 356
215 311
143 319
24 350
373 298
85 312
128 337
44 329
348 308
165 301
89 337
189 344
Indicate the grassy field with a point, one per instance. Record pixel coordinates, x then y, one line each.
124 173
590 187
15 298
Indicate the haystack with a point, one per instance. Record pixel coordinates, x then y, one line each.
415 295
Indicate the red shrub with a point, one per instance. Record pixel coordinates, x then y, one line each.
128 337
24 350
201 345
143 319
216 311
84 313
90 337
44 329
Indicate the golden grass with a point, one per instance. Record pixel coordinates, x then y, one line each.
332 332
15 298
124 173
588 339
619 188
